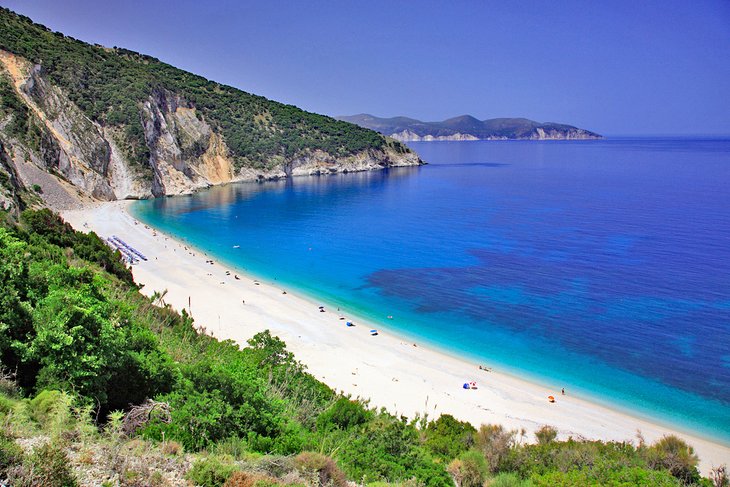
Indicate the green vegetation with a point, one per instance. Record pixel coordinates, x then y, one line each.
110 86
87 350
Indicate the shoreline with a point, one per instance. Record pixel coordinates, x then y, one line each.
388 369
433 347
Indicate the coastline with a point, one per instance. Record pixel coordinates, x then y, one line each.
387 369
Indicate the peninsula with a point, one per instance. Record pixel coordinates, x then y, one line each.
467 127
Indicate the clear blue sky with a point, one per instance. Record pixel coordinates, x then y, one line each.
616 67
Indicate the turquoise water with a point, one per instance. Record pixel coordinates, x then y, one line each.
598 266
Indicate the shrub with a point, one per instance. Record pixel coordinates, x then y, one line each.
469 470
719 476
389 448
48 466
495 443
325 469
6 405
245 479
215 401
507 480
609 477
157 478
10 453
8 386
277 465
235 447
52 410
546 434
212 471
675 455
172 448
37 188
343 414
447 438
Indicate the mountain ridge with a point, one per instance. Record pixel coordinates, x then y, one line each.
468 127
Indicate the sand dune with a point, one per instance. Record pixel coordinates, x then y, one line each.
387 369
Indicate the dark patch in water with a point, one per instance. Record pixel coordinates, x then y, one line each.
581 307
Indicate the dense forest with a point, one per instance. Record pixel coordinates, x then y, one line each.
111 84
94 374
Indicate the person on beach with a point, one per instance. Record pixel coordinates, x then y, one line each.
563 390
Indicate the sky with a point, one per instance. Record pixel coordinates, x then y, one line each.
617 67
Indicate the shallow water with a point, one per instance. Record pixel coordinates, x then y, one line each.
600 266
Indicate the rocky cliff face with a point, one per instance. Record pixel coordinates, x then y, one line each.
10 186
537 134
410 136
553 134
185 152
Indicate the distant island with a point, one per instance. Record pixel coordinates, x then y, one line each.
467 127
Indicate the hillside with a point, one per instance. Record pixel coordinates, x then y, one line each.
119 124
467 127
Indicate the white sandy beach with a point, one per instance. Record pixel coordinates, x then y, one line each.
387 369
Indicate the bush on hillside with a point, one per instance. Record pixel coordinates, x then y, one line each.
47 466
447 438
342 414
387 448
470 469
631 476
212 471
11 454
546 434
495 443
674 454
324 470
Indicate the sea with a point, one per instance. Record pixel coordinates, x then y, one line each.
600 266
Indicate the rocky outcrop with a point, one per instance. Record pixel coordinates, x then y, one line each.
410 136
536 134
10 186
71 144
322 163
568 134
185 153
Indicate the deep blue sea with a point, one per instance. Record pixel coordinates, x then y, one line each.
598 266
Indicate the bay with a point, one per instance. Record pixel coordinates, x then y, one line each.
598 266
